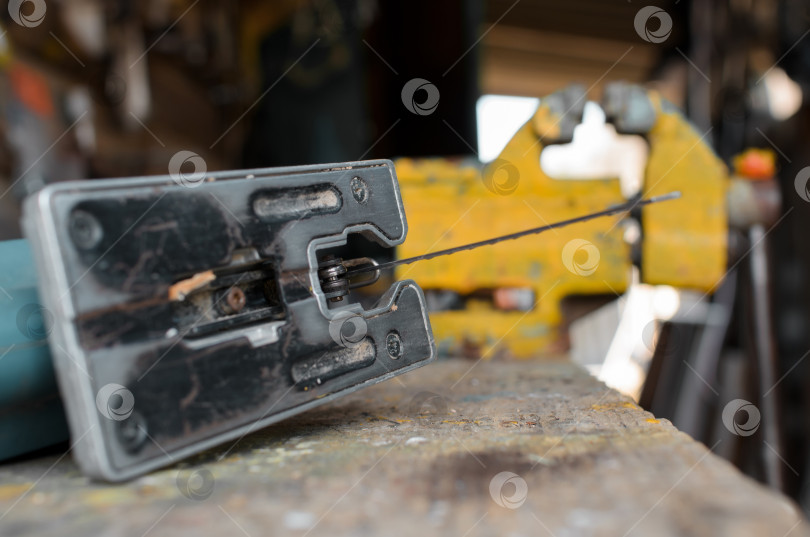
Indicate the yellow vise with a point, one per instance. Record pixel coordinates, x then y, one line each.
449 203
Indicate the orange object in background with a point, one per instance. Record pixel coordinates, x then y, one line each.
755 164
32 90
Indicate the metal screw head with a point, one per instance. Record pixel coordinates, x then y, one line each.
132 432
332 275
235 300
85 230
393 344
359 190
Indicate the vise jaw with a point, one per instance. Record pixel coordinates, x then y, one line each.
187 314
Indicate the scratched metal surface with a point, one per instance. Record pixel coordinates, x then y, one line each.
417 456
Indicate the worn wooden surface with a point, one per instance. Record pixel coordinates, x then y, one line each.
417 456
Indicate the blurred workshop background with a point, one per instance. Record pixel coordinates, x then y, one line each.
701 312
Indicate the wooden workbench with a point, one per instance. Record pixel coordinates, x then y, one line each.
417 456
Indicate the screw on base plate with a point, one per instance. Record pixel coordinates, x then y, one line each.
85 230
132 432
393 344
359 190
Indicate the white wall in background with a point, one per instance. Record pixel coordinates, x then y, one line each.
498 118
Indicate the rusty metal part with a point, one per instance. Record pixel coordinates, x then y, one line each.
235 300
